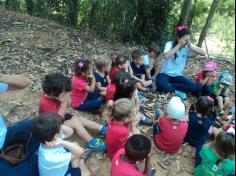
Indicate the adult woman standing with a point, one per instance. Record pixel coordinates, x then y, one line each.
176 52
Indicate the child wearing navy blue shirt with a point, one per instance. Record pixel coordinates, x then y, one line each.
103 67
139 69
200 121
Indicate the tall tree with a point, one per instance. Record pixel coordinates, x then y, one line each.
208 22
30 6
74 6
185 11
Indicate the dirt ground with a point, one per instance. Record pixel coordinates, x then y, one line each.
35 47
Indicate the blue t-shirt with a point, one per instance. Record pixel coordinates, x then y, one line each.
138 71
100 79
198 129
3 128
175 66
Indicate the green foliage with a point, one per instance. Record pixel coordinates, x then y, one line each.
133 21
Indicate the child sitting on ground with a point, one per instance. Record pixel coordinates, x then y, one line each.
221 90
56 97
218 158
119 63
57 156
83 95
150 61
200 121
121 126
206 78
137 150
170 130
103 66
139 70
127 88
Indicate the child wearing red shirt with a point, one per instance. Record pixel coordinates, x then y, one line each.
56 99
170 130
83 95
137 149
121 126
119 62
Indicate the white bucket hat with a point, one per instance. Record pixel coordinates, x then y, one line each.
176 109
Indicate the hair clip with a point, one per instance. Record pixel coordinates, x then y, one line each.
81 64
180 28
210 99
126 81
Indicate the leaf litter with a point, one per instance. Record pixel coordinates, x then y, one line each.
34 47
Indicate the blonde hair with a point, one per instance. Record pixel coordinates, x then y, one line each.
100 61
123 108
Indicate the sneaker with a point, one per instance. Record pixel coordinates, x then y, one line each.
158 113
140 96
149 90
96 145
103 131
181 95
142 107
146 121
153 172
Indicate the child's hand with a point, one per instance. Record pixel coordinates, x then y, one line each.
64 98
58 142
221 86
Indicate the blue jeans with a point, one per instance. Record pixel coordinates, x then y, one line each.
92 102
23 126
168 83
204 90
29 167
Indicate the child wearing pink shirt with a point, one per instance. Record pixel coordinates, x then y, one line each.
121 126
170 130
137 150
83 96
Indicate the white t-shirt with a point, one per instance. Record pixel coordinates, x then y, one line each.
53 161
3 128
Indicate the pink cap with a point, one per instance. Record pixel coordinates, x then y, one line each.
210 66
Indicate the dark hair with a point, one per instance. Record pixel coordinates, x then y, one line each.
154 48
120 59
137 148
136 54
125 88
54 84
179 34
205 107
82 65
225 145
119 76
46 126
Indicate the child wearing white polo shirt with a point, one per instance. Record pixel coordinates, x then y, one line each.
57 157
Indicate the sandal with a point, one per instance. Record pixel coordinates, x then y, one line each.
86 154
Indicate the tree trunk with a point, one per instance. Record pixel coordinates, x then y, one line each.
185 12
192 15
74 6
7 4
208 22
30 6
